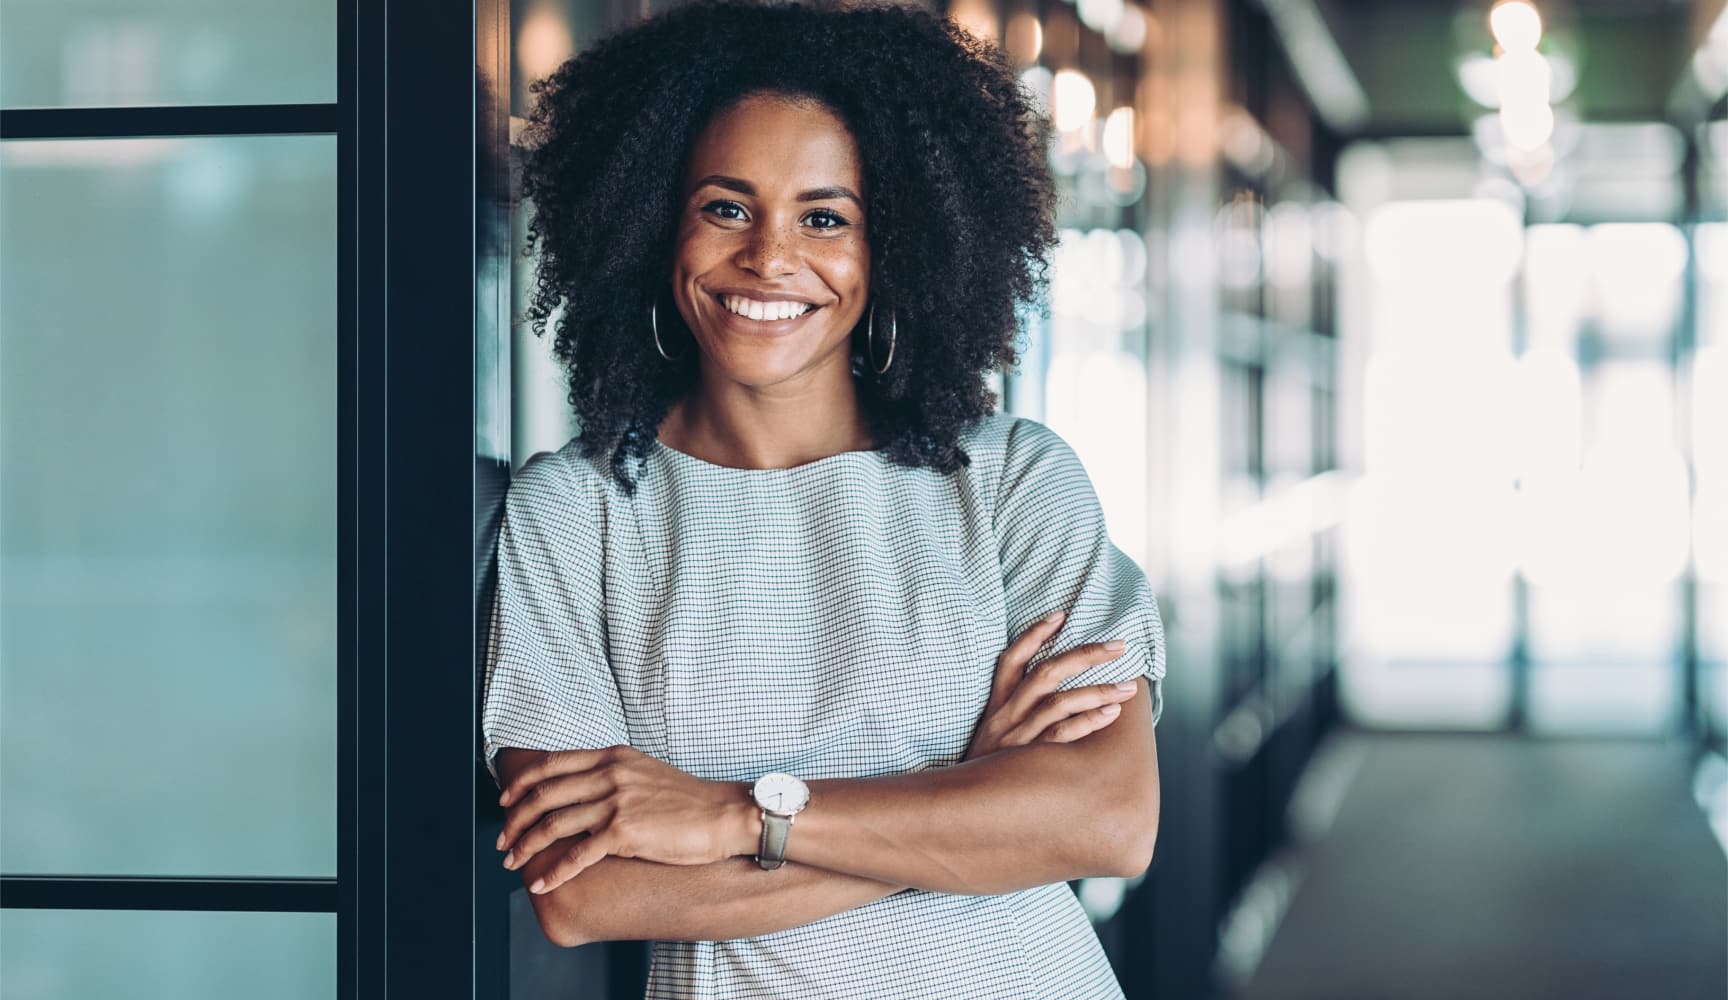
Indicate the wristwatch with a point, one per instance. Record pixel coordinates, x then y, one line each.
780 797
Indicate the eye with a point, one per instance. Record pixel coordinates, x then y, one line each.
822 218
722 208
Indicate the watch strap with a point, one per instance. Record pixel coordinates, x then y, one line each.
776 830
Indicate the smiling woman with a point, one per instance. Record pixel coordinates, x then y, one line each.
945 227
773 676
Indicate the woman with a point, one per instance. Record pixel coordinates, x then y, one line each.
747 694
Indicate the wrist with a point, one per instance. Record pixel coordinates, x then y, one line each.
741 820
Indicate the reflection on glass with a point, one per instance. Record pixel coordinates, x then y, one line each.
168 506
80 954
121 53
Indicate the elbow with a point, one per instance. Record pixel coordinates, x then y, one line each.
1138 856
559 921
1130 838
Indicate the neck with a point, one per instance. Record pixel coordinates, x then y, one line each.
778 427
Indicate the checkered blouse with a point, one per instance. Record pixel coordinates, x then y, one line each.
840 618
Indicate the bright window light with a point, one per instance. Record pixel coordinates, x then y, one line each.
1637 271
1453 242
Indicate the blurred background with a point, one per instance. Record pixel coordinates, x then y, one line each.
1413 316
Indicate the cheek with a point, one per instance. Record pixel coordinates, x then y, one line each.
846 270
697 250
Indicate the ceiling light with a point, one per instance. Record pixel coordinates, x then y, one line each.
1119 138
1516 25
1072 100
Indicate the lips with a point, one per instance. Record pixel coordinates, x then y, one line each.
734 323
764 309
762 314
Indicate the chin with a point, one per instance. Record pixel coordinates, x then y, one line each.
759 376
759 368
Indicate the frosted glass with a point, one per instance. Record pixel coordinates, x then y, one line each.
88 954
119 53
168 506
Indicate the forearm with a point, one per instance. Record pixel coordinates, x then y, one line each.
1015 819
623 899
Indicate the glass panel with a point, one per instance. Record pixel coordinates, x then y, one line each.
118 53
80 954
168 506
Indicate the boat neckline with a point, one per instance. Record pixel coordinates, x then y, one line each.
701 463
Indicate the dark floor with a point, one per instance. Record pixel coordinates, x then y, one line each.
1498 867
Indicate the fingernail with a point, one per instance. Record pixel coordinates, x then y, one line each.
500 842
1052 616
1116 644
510 860
504 799
1110 709
538 886
1127 686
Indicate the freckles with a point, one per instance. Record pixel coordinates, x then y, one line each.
846 262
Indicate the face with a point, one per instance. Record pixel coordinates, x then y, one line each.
772 269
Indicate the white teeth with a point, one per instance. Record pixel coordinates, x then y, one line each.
758 310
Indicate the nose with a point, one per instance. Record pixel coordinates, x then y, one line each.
768 251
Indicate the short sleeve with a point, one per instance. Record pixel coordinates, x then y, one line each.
549 685
1057 555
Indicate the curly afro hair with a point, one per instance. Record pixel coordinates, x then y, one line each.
961 206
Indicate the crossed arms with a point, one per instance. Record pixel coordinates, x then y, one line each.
630 848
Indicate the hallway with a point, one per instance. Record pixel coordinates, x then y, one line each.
1494 866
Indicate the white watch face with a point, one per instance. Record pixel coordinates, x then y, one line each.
781 793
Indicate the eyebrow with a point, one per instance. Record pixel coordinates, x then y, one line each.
745 187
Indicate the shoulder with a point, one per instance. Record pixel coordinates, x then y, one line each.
1007 438
1001 437
1010 446
1014 455
559 485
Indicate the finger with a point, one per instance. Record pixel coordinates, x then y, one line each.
552 794
1047 676
579 857
1011 665
1085 724
551 765
1065 704
556 825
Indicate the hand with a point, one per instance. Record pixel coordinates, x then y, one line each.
1026 707
627 804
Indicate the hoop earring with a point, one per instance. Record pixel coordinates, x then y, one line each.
654 324
870 339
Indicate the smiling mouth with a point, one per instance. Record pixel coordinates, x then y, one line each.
759 311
